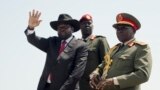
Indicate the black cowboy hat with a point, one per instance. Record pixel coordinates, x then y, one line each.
65 18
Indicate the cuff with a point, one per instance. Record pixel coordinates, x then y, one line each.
115 81
29 32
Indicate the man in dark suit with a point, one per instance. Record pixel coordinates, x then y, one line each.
66 56
97 45
128 64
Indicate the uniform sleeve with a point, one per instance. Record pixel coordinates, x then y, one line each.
99 69
38 42
103 48
142 65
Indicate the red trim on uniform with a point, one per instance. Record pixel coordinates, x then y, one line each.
134 25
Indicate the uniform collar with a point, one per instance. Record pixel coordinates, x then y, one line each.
89 37
129 42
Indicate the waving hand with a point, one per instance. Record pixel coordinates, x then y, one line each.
34 19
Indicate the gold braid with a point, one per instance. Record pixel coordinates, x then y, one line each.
108 62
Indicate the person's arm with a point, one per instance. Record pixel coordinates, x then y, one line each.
142 65
80 64
95 76
38 42
103 48
33 22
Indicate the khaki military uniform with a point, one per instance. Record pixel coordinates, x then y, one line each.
131 65
97 46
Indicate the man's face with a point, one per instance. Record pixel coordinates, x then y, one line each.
124 33
64 31
86 27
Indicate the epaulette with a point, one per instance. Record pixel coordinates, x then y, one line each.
140 43
100 36
130 44
92 37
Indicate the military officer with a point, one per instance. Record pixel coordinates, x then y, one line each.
128 64
97 46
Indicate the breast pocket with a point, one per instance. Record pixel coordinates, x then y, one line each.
125 63
125 57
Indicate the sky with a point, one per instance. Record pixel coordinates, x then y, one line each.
21 64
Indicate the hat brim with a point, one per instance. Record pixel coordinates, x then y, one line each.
119 24
74 23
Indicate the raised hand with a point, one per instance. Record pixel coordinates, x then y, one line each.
34 19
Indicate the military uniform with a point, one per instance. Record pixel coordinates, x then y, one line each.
97 46
131 65
128 64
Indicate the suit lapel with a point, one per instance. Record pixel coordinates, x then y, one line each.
121 51
56 44
70 45
68 48
115 50
88 41
118 53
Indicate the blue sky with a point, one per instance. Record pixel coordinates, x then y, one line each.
21 64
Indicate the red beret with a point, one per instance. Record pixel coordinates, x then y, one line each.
127 19
86 17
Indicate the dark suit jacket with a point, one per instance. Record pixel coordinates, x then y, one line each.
66 68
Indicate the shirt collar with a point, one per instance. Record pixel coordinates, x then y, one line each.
89 37
127 42
68 40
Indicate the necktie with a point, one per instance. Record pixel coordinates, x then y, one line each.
60 50
62 46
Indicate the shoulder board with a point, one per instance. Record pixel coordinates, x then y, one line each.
140 43
92 37
100 36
